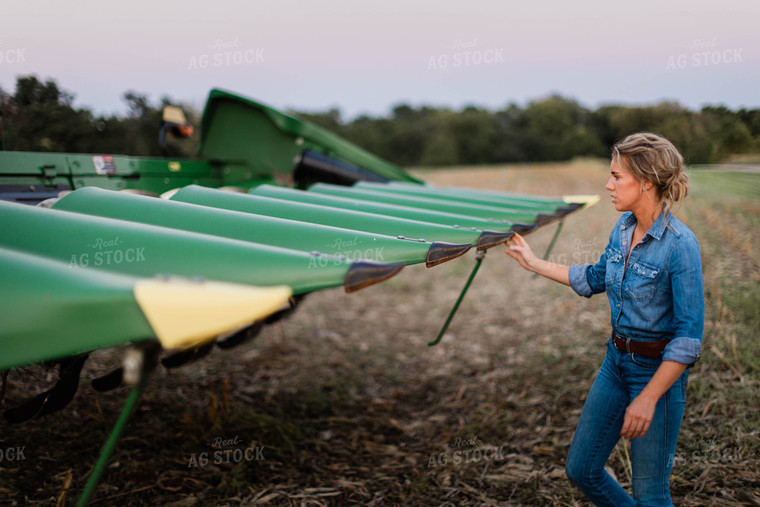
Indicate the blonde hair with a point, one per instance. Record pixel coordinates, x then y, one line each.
654 159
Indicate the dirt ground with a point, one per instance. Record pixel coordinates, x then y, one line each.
343 403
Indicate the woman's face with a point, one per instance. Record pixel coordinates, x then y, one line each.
625 191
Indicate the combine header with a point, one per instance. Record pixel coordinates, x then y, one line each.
171 256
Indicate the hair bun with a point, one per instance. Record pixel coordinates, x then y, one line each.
653 158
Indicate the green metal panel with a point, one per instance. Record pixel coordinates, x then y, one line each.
40 175
541 206
144 250
43 165
121 165
51 311
235 127
229 129
115 172
327 215
509 196
436 217
285 233
238 174
485 212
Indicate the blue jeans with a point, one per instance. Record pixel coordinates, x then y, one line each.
621 378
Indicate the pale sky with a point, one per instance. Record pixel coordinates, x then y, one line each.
365 57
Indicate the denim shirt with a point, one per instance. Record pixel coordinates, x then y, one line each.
657 294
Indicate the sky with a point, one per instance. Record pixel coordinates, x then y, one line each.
366 57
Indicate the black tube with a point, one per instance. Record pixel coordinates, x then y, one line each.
315 167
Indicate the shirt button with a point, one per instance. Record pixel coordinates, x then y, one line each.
618 305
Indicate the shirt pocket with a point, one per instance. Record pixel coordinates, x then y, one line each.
641 280
614 265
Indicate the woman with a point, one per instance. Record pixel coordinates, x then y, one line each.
652 273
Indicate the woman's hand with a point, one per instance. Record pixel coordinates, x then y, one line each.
639 414
518 249
638 417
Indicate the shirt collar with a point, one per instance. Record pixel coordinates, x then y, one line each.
658 227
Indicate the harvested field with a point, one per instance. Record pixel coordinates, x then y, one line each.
344 403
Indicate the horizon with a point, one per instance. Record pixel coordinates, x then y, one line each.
200 104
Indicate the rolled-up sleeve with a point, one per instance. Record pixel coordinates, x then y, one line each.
588 279
688 303
579 282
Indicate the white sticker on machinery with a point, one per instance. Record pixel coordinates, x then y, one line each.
104 164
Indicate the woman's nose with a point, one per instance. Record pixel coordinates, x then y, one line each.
610 185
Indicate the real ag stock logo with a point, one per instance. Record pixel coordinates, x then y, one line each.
466 53
464 451
226 53
107 251
225 451
704 54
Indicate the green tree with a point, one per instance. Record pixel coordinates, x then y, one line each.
557 129
476 135
39 117
730 133
441 147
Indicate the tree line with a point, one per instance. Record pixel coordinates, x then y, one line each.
555 128
40 116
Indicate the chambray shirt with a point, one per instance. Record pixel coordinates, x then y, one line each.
657 294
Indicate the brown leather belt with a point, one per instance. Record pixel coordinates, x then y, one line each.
646 349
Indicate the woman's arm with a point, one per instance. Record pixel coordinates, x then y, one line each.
687 288
638 415
688 316
518 249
